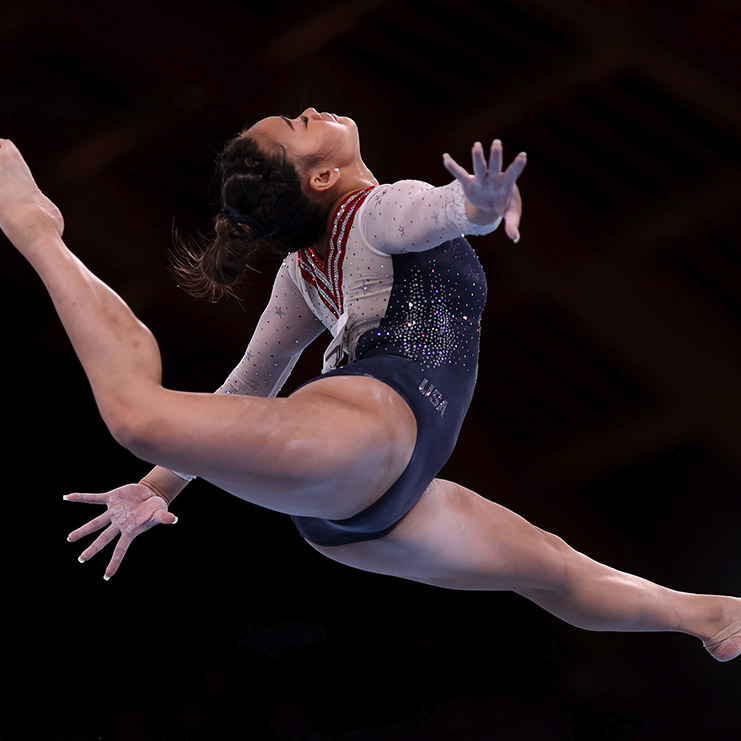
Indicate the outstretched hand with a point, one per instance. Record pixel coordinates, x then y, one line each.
131 510
489 190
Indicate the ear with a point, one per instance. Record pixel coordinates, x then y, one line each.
324 179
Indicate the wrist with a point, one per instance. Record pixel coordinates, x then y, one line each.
156 490
164 483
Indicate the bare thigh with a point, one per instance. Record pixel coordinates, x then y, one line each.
455 538
329 450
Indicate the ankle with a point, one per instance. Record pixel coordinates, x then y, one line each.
718 615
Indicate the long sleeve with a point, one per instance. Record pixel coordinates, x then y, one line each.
413 216
285 329
287 326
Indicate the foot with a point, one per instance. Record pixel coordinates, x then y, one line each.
26 214
725 644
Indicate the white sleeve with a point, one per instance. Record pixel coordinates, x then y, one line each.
413 216
285 329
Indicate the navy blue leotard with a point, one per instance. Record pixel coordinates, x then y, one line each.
402 292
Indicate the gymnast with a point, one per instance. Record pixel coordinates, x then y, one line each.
353 454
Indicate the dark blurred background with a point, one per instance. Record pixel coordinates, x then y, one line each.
608 395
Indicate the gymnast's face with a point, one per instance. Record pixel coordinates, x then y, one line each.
312 137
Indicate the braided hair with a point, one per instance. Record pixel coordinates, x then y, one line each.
265 214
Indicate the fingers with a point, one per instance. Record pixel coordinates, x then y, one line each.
512 228
118 553
164 517
87 498
458 172
480 170
93 525
90 527
495 159
512 216
493 169
99 543
513 212
514 170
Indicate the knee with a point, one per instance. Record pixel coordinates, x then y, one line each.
559 562
125 427
553 543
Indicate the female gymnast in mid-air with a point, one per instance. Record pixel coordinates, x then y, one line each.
352 455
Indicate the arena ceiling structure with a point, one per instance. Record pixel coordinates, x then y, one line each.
608 399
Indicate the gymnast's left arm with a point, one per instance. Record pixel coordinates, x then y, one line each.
412 216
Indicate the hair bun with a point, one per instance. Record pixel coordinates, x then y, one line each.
258 228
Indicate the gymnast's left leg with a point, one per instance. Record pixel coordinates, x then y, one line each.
456 539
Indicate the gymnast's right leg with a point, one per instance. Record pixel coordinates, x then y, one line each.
456 539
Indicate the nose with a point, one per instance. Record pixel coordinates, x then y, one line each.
312 113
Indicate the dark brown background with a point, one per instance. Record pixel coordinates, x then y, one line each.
607 403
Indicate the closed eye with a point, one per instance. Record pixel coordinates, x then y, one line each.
305 119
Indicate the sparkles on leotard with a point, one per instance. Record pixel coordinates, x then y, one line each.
402 293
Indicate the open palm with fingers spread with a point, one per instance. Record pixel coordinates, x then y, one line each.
489 189
131 510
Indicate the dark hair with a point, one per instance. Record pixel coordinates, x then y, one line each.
264 186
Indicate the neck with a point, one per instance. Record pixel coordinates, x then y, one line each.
353 178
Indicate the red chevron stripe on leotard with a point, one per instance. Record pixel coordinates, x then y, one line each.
326 274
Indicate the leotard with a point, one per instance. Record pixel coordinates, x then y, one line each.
402 292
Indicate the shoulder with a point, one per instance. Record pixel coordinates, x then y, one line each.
284 269
290 269
397 193
388 198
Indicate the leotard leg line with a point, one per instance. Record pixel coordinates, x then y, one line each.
439 399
